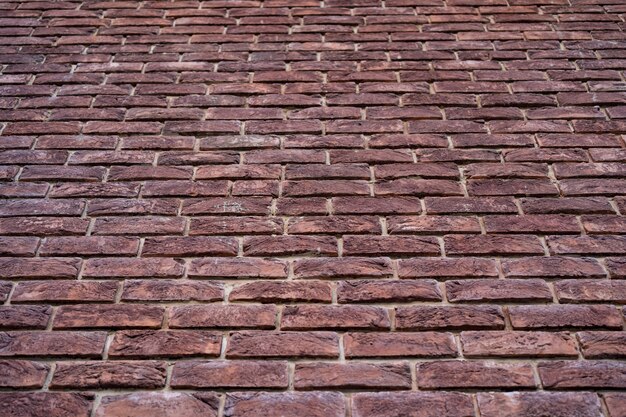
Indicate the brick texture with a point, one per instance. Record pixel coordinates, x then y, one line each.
307 208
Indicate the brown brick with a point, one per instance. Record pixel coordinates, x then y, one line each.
553 267
132 268
153 404
447 317
587 374
164 343
261 344
305 317
53 404
238 267
342 267
22 374
418 404
171 290
230 374
24 317
602 344
311 404
464 374
72 344
465 267
113 374
389 376
223 316
282 292
102 315
517 344
363 291
498 290
520 404
559 316
423 344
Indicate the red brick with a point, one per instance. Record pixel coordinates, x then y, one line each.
418 404
305 317
553 267
433 224
117 316
395 375
24 317
153 404
164 343
518 404
449 317
493 245
171 290
258 404
342 267
498 290
363 291
465 267
39 268
510 344
40 343
616 403
113 374
564 316
189 246
289 245
282 292
424 344
52 404
90 245
587 374
238 268
23 374
465 374
229 374
602 344
223 316
261 344
132 268
576 291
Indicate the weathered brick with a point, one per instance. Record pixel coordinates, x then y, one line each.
564 316
310 404
261 344
308 317
171 290
117 316
395 375
583 374
223 316
53 404
519 404
150 344
498 290
602 344
418 404
40 343
282 292
23 374
110 374
447 317
153 403
465 374
517 344
230 374
423 344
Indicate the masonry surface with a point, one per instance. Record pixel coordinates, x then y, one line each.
347 208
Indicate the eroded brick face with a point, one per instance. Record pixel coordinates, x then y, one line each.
307 208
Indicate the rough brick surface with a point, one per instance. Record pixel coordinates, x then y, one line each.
366 208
